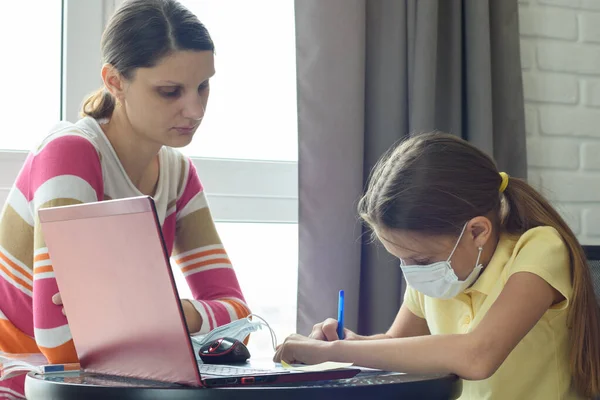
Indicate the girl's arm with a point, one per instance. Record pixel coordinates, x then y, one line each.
475 355
406 324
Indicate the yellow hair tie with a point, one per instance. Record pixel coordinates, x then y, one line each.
504 183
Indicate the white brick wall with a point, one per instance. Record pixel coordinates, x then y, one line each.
560 56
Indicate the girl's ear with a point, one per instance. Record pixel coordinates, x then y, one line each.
479 230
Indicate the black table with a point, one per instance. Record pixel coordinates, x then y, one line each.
366 385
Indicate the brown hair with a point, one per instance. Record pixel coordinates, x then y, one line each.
434 182
139 35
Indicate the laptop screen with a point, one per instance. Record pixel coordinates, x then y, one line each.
101 254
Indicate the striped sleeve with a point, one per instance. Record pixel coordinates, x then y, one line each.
200 255
64 171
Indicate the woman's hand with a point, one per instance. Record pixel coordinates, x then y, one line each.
327 331
298 349
56 299
192 317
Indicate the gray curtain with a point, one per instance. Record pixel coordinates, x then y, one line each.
369 73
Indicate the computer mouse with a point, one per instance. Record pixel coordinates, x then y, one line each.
224 351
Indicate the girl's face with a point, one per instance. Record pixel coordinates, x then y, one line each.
166 103
415 248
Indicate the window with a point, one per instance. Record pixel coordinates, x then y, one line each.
251 113
50 68
31 71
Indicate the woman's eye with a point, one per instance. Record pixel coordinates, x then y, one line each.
203 86
174 92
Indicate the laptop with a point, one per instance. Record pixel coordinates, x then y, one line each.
113 272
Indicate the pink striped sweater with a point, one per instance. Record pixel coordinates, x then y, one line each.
77 164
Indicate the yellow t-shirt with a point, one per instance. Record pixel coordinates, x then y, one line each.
538 368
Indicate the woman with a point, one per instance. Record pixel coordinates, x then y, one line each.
158 61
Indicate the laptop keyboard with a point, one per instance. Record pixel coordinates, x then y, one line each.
228 370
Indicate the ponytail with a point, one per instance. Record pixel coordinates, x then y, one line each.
99 105
528 209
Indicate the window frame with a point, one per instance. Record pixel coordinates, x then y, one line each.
258 191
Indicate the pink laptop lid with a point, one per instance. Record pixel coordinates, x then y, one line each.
120 298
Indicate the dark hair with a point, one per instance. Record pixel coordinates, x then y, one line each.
434 182
139 35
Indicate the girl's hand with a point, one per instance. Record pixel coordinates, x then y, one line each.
298 349
327 331
56 299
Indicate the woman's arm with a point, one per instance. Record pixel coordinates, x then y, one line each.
475 355
64 171
201 256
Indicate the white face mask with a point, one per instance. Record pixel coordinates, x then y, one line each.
438 279
238 329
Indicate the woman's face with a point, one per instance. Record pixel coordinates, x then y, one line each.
165 104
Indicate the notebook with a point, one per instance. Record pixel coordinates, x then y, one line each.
113 272
12 365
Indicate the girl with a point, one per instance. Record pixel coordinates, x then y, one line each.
499 289
158 63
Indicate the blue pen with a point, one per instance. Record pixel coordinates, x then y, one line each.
340 318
